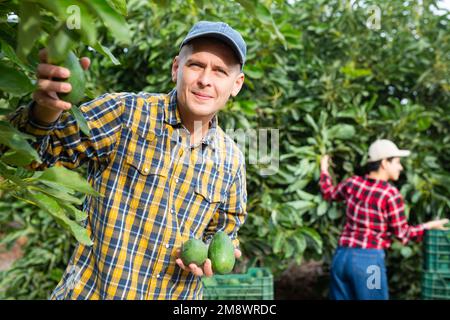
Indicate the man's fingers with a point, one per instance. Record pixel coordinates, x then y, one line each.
196 270
237 253
181 264
85 62
208 268
43 99
56 86
50 71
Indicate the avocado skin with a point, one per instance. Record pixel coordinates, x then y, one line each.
194 251
221 253
76 79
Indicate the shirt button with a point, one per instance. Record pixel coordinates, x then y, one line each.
172 210
177 180
158 276
167 246
146 170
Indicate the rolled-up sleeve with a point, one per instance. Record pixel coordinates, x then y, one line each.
63 143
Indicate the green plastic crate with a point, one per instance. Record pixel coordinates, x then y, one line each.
256 284
435 286
437 251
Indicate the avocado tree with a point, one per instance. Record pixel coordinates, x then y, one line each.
61 26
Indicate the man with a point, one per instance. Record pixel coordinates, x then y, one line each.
375 211
165 169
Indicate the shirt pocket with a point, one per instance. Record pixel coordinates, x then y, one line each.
209 192
145 171
211 185
147 155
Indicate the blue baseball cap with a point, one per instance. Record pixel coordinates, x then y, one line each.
221 31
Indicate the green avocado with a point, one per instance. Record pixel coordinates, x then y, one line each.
221 253
76 79
194 251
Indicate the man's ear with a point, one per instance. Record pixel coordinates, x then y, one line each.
175 66
238 83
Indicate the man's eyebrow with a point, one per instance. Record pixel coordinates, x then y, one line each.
190 60
215 66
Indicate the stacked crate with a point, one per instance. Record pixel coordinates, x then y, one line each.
256 284
436 274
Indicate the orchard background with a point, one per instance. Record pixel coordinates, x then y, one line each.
331 76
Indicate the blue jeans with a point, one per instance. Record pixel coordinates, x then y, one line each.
358 274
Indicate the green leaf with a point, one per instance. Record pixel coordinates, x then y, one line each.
314 235
423 123
263 13
352 72
278 242
80 233
112 20
16 158
9 53
406 252
68 179
29 28
60 194
17 141
82 122
59 45
309 120
106 52
119 5
322 208
300 242
78 215
50 205
76 17
14 81
341 131
301 205
254 72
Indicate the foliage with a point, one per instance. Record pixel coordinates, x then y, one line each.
46 251
40 22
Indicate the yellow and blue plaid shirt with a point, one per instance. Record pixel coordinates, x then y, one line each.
157 191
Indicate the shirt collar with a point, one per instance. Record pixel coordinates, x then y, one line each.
172 117
366 176
171 114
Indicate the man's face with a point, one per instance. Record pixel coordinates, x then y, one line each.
393 168
206 74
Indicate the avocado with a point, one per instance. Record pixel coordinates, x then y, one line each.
76 79
194 251
209 282
234 282
221 253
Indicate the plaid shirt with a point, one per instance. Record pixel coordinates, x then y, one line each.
375 211
158 191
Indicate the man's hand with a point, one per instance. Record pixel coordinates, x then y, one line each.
48 105
324 165
197 270
436 224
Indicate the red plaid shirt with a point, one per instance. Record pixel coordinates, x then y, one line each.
375 211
